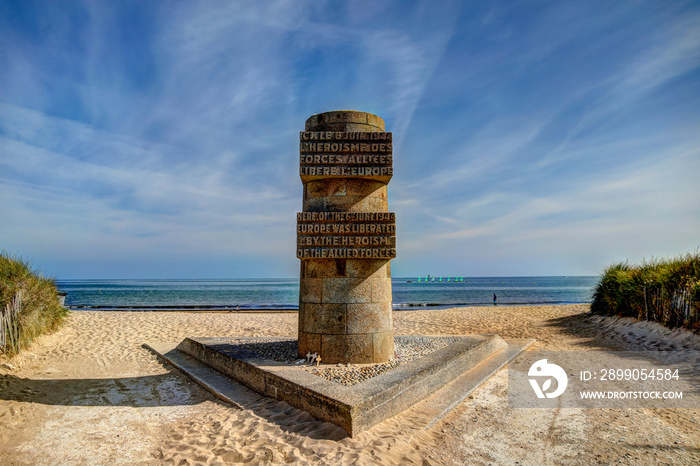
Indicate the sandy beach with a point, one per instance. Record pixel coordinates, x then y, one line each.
92 394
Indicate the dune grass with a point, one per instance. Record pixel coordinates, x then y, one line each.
664 291
29 305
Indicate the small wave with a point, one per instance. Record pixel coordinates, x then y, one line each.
186 308
292 307
419 306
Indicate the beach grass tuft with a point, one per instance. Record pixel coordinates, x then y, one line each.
663 291
29 305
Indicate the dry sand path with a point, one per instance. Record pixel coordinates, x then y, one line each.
91 394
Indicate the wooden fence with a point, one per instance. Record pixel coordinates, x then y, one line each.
9 325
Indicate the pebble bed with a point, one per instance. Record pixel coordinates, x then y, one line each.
406 349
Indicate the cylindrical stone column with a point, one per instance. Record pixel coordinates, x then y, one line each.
345 239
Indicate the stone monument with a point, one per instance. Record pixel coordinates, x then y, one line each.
345 239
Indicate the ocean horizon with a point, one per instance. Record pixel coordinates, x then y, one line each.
283 293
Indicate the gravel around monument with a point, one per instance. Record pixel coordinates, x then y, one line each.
91 394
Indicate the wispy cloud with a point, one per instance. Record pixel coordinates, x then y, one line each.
152 134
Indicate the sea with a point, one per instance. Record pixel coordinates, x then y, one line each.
410 293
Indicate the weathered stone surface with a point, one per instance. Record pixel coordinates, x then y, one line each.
345 204
345 238
309 343
324 318
315 191
344 120
383 345
353 204
369 318
381 289
365 188
314 204
339 348
323 268
347 290
368 268
311 290
325 188
377 204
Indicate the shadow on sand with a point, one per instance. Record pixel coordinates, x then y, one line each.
169 389
147 391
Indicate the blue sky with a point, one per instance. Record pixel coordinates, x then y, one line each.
160 139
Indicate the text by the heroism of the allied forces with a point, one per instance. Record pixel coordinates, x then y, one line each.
346 235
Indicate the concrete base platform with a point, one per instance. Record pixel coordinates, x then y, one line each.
431 385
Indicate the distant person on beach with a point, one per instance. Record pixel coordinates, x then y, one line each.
494 299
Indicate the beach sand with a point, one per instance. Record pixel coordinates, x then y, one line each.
91 394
